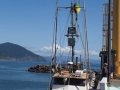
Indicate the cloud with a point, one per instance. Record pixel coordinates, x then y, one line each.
93 53
47 51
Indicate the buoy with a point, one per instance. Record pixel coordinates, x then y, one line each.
77 8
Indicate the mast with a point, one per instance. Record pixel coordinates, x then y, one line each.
56 20
71 30
72 24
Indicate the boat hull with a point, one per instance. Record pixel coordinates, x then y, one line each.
68 87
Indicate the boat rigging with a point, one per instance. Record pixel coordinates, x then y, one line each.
75 74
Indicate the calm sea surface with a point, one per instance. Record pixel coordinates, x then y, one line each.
13 76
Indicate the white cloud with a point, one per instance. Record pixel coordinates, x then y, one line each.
47 50
93 53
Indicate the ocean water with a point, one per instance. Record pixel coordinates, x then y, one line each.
13 76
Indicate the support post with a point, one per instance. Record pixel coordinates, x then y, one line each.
109 40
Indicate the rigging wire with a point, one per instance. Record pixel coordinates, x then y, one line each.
86 43
81 37
54 40
85 47
78 31
62 36
86 36
52 56
63 33
54 33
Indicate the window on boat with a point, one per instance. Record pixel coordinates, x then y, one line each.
60 81
78 82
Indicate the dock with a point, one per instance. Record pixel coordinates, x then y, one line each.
115 82
114 85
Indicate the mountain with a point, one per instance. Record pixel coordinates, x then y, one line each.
10 51
64 59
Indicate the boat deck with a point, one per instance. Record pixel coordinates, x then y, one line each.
70 75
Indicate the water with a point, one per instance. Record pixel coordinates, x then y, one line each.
13 76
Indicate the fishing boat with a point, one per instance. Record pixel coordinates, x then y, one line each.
75 76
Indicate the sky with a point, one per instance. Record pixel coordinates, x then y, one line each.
30 23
